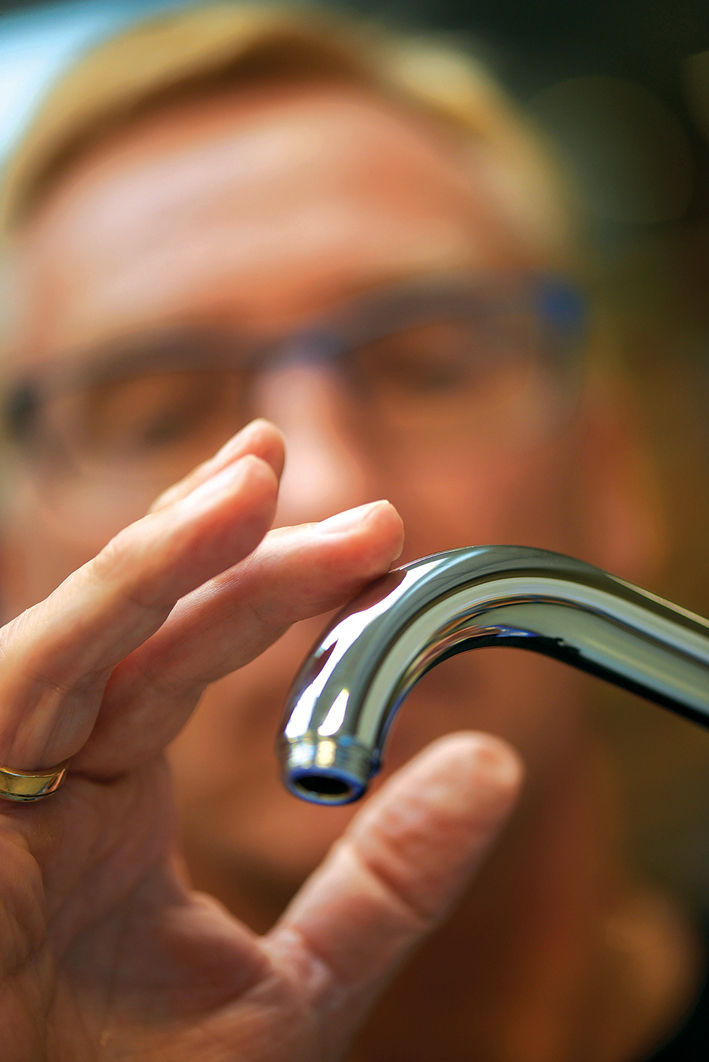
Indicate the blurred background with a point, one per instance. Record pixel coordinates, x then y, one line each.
622 87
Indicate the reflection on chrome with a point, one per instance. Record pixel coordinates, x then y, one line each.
375 651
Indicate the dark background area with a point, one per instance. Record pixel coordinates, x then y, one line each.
634 38
535 43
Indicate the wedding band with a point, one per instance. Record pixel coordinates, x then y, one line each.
31 785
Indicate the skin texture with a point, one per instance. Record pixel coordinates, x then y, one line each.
260 211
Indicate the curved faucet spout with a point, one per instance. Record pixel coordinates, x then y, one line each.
376 650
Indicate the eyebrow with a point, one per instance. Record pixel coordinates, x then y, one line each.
162 346
356 317
168 340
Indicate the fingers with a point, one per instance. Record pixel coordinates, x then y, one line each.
57 657
259 438
395 873
101 641
295 573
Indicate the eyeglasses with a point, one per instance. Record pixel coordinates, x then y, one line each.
478 358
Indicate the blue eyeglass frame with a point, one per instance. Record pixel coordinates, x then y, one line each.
559 305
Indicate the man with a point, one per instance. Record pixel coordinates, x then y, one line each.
232 214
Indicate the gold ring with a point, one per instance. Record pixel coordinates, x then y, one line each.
31 785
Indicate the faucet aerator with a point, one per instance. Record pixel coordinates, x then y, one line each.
326 771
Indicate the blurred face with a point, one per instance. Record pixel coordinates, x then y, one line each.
213 231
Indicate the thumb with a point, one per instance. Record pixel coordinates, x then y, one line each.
393 876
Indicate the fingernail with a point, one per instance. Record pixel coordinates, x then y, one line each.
349 519
233 444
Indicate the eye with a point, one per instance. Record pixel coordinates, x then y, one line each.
432 359
20 412
145 413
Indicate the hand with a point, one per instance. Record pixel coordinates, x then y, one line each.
104 952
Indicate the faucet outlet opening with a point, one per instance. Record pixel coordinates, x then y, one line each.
325 772
325 787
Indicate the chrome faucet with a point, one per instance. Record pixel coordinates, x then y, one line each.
373 653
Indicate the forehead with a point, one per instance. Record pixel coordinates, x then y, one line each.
254 208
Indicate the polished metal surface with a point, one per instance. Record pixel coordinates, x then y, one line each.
374 652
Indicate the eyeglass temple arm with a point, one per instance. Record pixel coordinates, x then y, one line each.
375 651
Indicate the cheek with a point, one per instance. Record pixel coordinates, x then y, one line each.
457 497
38 551
526 699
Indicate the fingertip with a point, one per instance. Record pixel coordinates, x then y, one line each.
266 441
381 539
372 534
431 824
254 486
461 775
259 439
389 525
251 480
481 755
259 468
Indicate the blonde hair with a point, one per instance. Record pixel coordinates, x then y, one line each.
205 49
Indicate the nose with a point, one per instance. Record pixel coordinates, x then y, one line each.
325 470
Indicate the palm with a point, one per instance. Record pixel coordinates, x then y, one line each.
113 947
